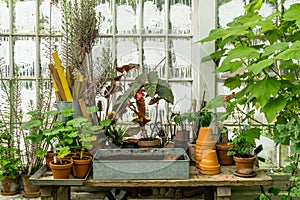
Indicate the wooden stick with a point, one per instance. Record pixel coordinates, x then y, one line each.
62 77
57 82
84 109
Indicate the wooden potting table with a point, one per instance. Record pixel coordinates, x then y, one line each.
220 184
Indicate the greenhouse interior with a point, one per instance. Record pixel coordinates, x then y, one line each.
149 99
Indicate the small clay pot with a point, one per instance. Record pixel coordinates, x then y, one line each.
209 164
81 167
244 165
222 150
61 171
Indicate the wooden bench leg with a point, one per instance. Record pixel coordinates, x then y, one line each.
56 193
222 193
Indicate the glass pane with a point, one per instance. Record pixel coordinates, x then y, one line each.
28 95
4 56
4 19
25 16
154 16
105 8
50 8
180 55
154 54
47 47
25 56
128 52
182 97
128 24
102 55
180 17
228 10
288 3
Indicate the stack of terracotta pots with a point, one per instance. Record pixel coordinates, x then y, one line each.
206 156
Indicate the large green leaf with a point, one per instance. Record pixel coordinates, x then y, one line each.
242 52
231 67
164 91
263 90
31 124
258 67
122 101
151 86
273 107
216 102
233 82
291 53
215 56
275 47
213 35
252 134
292 14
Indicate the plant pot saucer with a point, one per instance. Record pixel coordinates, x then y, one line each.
252 174
30 194
8 193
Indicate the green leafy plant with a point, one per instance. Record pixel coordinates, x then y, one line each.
113 131
86 131
203 118
261 54
10 163
146 85
244 134
37 130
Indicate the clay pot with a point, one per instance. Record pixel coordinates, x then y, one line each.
10 186
49 157
244 164
209 165
81 167
149 143
222 149
30 190
204 144
61 171
205 134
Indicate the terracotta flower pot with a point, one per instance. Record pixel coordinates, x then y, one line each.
81 167
222 150
149 143
205 134
10 186
244 165
204 144
61 171
30 190
209 164
49 157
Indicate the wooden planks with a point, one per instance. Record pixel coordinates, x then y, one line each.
225 178
64 88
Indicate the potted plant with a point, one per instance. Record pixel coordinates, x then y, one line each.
9 164
86 135
113 131
63 134
146 86
223 147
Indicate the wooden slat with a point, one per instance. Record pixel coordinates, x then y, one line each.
62 76
83 109
225 178
57 83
